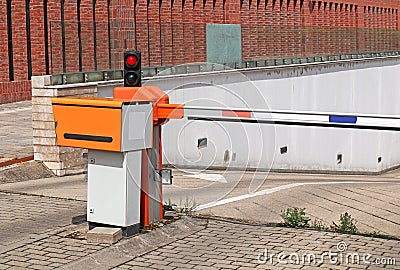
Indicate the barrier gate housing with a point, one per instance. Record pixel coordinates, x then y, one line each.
123 138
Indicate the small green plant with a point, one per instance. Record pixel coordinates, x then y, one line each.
188 207
347 224
374 234
295 218
168 206
319 225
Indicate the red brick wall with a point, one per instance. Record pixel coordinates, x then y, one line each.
87 37
37 38
123 34
3 44
15 91
54 36
166 33
19 40
102 40
173 32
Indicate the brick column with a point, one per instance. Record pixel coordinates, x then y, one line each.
61 160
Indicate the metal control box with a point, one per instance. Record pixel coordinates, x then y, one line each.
114 186
123 138
103 124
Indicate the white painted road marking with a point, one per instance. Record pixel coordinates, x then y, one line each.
208 177
276 189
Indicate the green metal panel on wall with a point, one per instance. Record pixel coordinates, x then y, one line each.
224 44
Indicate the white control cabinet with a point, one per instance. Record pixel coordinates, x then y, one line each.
114 185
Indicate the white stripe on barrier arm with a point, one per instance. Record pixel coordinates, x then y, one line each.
296 118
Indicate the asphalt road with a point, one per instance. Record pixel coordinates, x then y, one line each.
373 201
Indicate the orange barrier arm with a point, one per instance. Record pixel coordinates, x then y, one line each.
169 111
162 110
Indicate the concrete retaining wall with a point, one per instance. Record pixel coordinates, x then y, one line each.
368 86
362 86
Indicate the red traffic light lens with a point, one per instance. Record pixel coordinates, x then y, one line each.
131 60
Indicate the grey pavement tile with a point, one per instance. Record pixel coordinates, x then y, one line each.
38 241
227 258
40 267
225 266
157 265
15 224
18 264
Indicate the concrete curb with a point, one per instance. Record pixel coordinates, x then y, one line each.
136 246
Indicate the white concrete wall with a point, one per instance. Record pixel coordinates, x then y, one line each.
370 86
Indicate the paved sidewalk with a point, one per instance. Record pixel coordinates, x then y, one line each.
16 134
36 230
227 245
36 233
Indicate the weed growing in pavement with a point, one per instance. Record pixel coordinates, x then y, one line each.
347 224
169 206
319 225
187 206
375 234
295 218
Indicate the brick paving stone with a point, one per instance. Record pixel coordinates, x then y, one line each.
17 258
190 258
58 261
216 261
191 253
60 255
140 259
39 261
176 260
49 225
243 248
225 266
196 261
154 257
122 267
18 264
141 264
178 265
17 225
35 257
40 267
157 265
244 264
240 260
202 267
229 245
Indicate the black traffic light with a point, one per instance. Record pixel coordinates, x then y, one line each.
132 69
